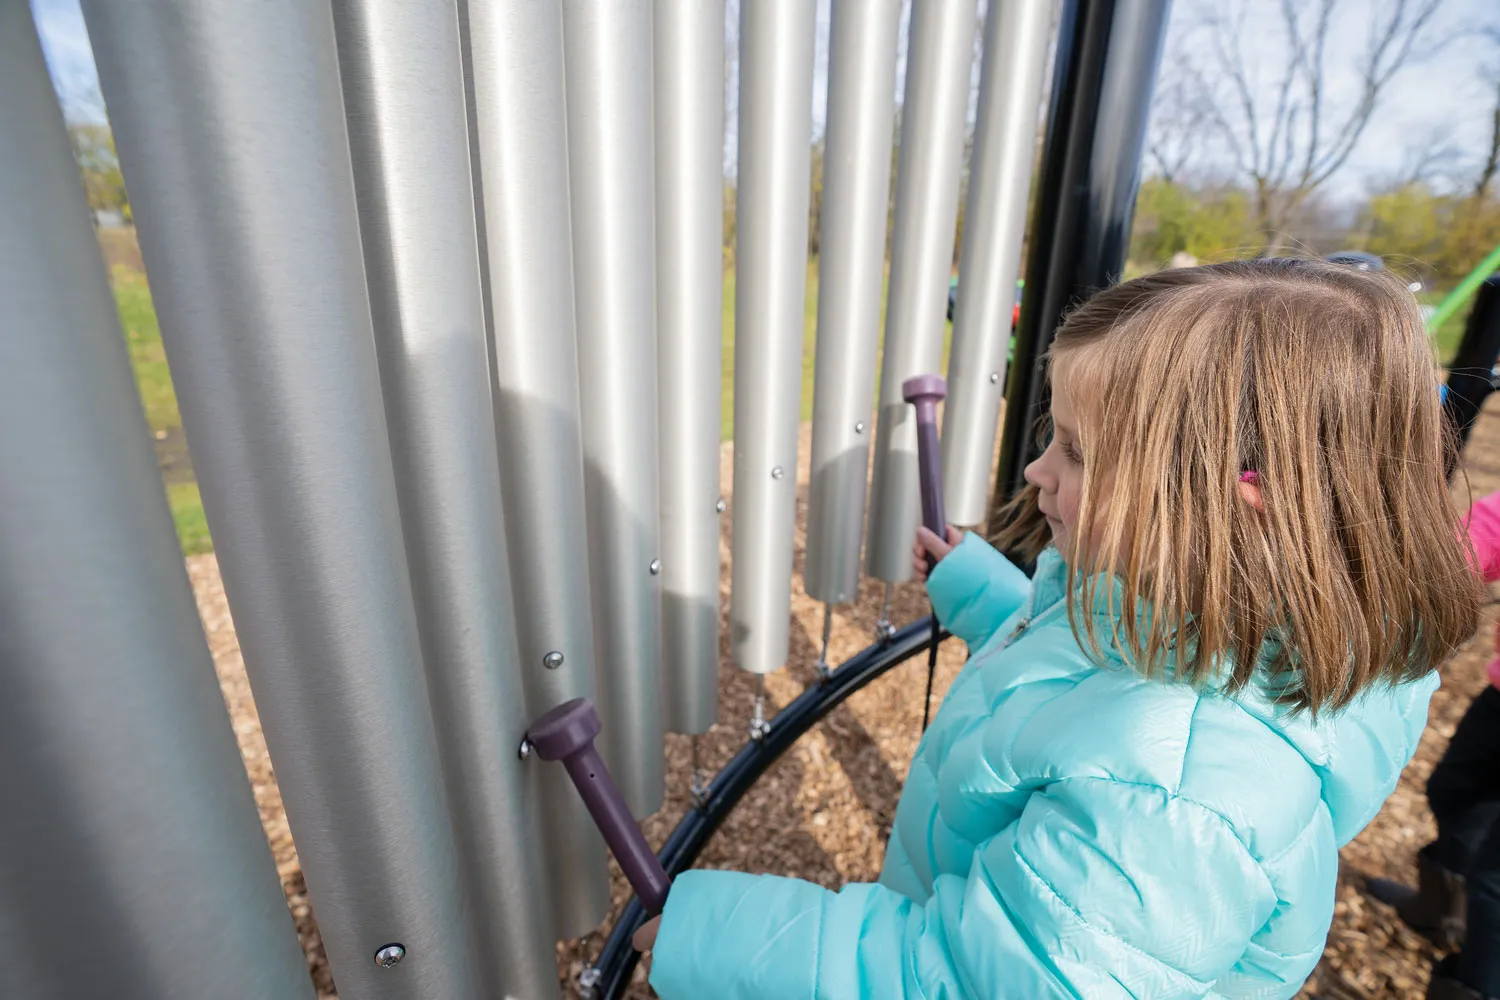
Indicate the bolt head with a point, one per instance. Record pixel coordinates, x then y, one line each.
994 378
721 506
524 752
859 428
552 660
389 955
778 472
655 567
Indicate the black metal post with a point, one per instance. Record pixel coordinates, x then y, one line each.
1471 375
1103 78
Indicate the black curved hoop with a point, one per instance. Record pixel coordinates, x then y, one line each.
610 975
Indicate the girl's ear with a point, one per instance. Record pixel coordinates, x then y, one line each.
1250 493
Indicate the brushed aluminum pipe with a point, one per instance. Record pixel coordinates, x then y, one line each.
689 94
851 286
776 68
229 120
515 54
132 860
1017 39
408 134
927 182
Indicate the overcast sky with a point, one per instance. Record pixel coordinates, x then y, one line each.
1443 98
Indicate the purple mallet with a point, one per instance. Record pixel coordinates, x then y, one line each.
567 734
923 392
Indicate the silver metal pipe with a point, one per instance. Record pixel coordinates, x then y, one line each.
1017 37
607 55
775 120
851 283
927 182
230 126
689 94
408 134
884 629
821 668
131 856
516 74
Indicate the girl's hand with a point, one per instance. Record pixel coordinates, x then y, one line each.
927 544
645 936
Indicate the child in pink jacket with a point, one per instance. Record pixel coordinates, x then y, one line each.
1484 534
1457 900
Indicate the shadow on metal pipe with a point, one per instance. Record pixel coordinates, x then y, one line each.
610 975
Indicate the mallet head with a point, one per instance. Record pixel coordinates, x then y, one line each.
565 730
924 387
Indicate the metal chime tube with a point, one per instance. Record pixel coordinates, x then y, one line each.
689 74
927 182
408 133
132 861
1102 81
851 279
516 74
689 93
230 126
607 54
776 64
1017 37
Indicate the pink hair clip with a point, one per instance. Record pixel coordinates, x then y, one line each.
1251 476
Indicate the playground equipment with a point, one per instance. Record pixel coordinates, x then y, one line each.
924 392
439 283
1472 373
567 734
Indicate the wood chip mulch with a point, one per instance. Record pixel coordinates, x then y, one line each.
823 812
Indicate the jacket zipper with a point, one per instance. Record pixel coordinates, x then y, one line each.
1029 620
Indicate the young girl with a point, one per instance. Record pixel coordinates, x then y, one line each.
1139 783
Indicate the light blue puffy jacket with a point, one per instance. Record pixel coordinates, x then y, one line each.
1066 830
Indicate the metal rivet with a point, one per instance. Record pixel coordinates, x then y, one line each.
525 749
389 955
721 506
655 566
777 472
552 660
859 428
994 378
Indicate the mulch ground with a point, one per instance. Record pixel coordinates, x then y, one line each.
823 812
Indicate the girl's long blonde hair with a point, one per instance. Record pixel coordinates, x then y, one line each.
1320 379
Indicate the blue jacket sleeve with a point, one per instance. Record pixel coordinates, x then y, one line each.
1100 889
975 589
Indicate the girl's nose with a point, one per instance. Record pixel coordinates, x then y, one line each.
1036 474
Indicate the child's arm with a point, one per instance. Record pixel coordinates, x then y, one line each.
1102 888
974 589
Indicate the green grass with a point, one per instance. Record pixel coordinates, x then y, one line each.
187 514
143 339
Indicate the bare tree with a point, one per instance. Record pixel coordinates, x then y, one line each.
1287 139
1431 157
1181 115
1491 163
